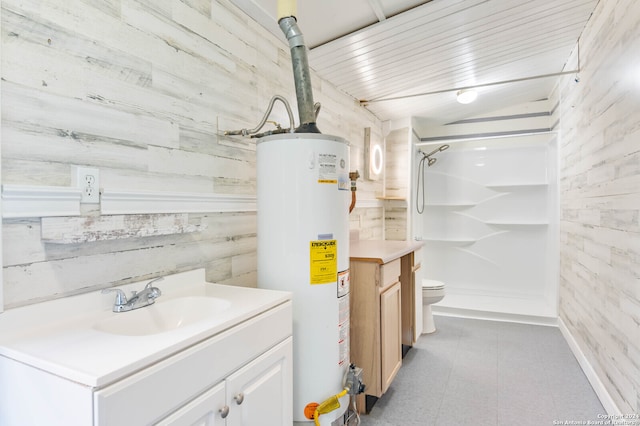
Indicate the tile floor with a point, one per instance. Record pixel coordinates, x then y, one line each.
477 373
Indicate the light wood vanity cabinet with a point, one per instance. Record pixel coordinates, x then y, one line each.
384 298
376 321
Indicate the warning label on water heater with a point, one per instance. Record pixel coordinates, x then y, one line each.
343 330
327 168
323 261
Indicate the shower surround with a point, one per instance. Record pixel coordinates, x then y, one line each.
490 223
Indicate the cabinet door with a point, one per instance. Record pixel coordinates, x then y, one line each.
408 300
390 333
205 410
261 392
417 284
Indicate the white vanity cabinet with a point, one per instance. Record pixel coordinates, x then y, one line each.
252 359
256 394
235 370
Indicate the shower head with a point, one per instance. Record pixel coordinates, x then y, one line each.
431 160
438 149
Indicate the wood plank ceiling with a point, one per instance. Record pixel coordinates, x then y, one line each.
386 52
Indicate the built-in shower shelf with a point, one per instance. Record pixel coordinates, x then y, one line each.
451 241
516 186
452 205
516 223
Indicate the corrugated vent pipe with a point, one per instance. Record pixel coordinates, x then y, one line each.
307 110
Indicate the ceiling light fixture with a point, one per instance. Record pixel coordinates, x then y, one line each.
466 96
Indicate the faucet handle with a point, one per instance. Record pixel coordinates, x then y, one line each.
153 281
121 298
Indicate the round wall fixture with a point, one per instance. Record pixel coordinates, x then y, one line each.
376 159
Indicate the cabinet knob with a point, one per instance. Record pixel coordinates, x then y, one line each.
239 398
224 411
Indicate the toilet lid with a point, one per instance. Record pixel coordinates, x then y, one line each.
432 284
439 287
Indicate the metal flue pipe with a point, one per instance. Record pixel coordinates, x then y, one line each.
301 74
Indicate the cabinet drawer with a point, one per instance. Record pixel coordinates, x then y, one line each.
151 394
389 273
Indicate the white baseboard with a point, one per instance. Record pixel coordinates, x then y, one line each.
596 383
493 316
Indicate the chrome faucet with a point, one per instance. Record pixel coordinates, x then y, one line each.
137 300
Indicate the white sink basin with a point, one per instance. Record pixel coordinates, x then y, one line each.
163 316
79 337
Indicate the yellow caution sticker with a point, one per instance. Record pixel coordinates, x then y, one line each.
323 261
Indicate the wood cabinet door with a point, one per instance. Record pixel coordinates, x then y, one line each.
417 289
390 333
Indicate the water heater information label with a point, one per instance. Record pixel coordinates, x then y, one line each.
327 164
343 330
323 261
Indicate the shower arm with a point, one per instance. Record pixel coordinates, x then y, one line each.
438 149
420 178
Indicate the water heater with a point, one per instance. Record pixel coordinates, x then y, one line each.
303 200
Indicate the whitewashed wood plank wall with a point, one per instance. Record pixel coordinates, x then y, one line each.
139 90
1 206
600 201
397 172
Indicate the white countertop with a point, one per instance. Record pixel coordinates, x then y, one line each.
381 251
58 336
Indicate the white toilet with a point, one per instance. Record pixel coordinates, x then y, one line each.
432 292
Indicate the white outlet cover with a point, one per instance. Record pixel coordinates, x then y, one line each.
88 179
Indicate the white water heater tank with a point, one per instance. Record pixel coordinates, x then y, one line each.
303 247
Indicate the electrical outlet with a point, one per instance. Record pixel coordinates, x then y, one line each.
88 179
